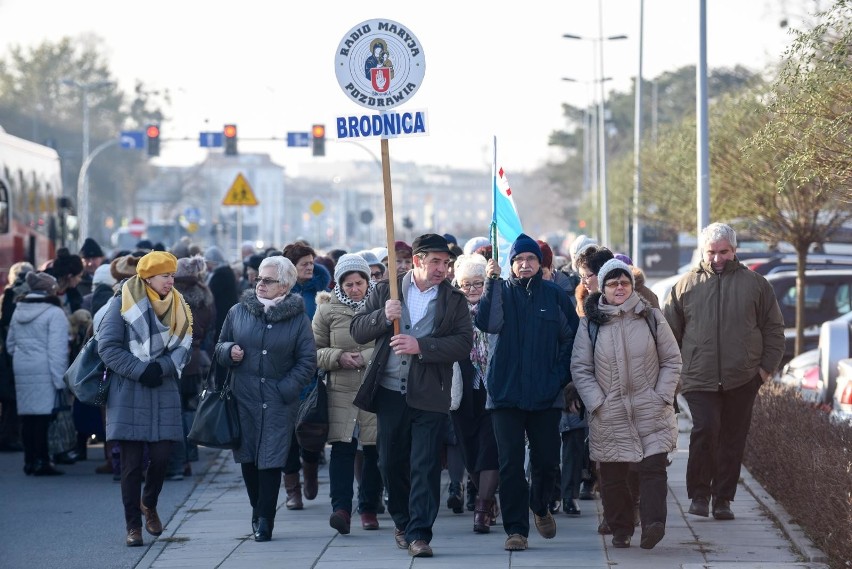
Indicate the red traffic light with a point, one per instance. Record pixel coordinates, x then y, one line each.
153 131
230 131
318 131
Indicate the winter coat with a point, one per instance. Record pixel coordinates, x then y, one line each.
628 383
200 300
38 344
640 287
135 412
309 289
727 325
223 285
332 336
280 360
430 376
536 324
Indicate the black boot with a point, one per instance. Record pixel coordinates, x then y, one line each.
254 518
44 468
454 498
264 529
470 503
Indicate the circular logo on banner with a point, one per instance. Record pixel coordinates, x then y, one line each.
379 64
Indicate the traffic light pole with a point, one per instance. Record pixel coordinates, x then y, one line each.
83 192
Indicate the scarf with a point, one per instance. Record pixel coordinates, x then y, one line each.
270 302
173 324
356 306
479 352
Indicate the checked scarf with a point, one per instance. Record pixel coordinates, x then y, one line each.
170 317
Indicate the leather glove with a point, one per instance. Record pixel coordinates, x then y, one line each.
152 376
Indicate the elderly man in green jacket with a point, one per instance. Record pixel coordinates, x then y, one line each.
731 334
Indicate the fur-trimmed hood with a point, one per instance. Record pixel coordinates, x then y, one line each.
288 308
323 297
195 292
595 313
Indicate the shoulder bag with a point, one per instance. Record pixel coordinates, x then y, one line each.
312 420
88 376
216 423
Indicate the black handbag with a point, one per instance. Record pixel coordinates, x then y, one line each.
312 420
88 376
216 423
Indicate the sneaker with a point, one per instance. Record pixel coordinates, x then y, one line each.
700 507
722 509
515 542
545 525
652 534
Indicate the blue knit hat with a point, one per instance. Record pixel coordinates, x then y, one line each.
524 244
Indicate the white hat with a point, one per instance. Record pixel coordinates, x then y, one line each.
349 263
380 253
474 243
612 265
370 257
578 245
103 276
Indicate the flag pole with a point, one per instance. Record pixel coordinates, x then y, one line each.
389 230
493 230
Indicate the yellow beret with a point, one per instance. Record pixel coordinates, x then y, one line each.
156 263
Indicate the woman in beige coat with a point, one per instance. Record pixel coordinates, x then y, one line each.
345 362
626 366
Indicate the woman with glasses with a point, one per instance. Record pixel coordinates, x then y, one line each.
345 362
626 366
471 421
589 263
268 343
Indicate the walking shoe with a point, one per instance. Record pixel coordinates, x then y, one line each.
419 548
603 528
134 537
339 520
545 525
264 529
152 520
554 507
369 521
699 507
399 537
652 534
621 541
105 468
455 501
586 491
722 509
515 542
311 480
571 508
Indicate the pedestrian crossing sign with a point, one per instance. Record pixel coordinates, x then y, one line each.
240 193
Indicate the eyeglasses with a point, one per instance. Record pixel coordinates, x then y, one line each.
588 277
472 286
266 282
377 274
612 285
528 259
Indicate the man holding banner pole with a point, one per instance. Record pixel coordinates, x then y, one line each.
407 383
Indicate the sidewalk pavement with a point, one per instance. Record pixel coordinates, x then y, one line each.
213 529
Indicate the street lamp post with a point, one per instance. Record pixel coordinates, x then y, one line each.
599 77
83 188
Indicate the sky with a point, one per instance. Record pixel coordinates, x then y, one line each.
493 69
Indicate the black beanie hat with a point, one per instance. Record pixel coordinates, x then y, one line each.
524 244
91 249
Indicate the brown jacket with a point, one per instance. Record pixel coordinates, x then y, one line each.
727 325
331 334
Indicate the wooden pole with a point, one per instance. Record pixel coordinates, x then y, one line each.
386 179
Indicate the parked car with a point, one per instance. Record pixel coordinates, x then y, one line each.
782 262
835 344
802 373
842 404
828 295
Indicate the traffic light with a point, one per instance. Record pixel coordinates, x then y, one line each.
318 134
153 134
230 139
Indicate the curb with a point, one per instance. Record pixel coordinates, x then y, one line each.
792 530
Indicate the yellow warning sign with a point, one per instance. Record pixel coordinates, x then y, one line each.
317 207
240 193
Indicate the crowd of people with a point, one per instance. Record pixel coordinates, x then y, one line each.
546 384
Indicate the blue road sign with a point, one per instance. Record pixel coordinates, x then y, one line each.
210 139
298 139
132 139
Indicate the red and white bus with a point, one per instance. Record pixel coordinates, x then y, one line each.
30 185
